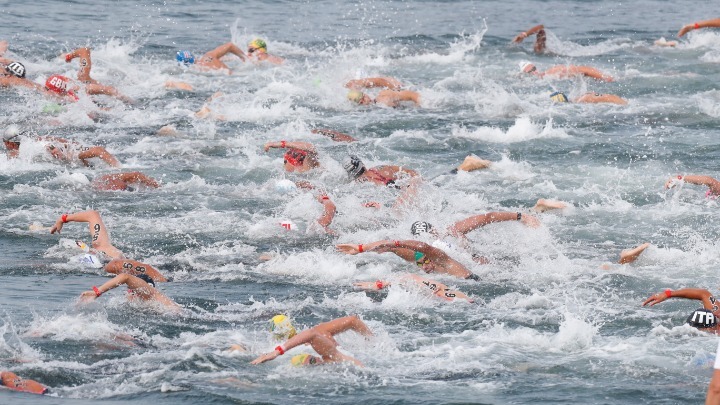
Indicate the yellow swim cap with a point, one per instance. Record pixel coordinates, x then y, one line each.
304 359
355 96
258 43
281 327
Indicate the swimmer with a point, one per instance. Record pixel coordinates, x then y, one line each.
430 259
92 86
257 51
389 83
11 381
12 74
334 135
543 205
565 71
386 175
211 60
141 287
322 339
461 228
714 23
540 39
123 181
117 263
589 98
705 318
438 289
389 98
472 163
59 148
300 157
713 184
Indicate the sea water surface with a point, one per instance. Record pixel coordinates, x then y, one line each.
549 324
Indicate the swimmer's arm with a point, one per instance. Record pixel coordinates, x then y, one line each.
477 221
594 73
700 180
698 294
714 23
531 31
372 285
306 146
409 95
297 340
372 82
98 231
328 214
334 135
139 287
713 391
378 247
137 177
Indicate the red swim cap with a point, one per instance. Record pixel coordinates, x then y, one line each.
57 84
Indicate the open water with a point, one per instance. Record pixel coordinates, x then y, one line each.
550 326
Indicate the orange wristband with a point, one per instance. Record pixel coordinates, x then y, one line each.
280 349
97 291
282 144
64 218
697 26
360 248
379 285
668 293
397 243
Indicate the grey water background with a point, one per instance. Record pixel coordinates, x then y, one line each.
550 325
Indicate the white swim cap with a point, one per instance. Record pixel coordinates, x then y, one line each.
524 64
285 186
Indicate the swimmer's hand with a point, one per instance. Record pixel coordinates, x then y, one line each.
270 145
88 296
452 295
266 357
520 37
370 285
237 348
684 30
348 249
57 227
655 299
673 181
530 221
372 204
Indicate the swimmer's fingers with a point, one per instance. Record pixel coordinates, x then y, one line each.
365 285
347 248
88 296
520 37
265 357
654 299
57 227
684 30
268 145
530 221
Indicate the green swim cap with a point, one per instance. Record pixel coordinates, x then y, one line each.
419 255
258 43
53 108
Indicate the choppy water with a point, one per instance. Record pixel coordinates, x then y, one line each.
550 326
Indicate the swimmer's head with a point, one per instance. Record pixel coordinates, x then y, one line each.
304 359
419 227
359 97
281 328
527 67
57 84
294 157
421 259
12 134
559 97
185 57
257 45
702 318
16 69
354 166
146 278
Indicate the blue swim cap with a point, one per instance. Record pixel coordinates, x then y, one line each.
185 57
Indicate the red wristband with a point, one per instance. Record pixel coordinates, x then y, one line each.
379 284
283 144
679 177
360 248
68 57
325 197
64 218
668 293
697 26
280 349
97 291
397 243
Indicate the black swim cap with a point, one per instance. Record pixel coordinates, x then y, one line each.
146 278
354 166
419 227
16 69
702 318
